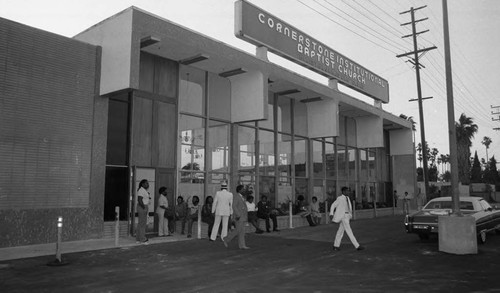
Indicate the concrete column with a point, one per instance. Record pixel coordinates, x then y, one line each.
457 234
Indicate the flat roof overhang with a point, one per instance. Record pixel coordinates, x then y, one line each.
168 40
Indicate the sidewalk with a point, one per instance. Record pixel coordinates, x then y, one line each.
10 253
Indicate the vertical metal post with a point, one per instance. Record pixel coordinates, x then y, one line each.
326 212
59 234
117 224
290 214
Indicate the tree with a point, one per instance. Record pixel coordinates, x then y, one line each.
419 154
476 171
465 131
486 141
491 175
433 156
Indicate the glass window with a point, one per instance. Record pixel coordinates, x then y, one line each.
285 155
284 194
266 155
352 163
117 145
267 188
300 157
301 193
330 160
218 149
319 193
342 161
192 137
192 90
372 165
246 142
331 191
363 161
219 95
318 159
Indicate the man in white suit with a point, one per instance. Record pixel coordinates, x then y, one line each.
341 211
223 208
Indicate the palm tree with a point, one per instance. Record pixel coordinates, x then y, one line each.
465 130
413 123
486 141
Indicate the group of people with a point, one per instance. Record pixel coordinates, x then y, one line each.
240 209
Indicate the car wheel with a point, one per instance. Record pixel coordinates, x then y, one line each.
482 237
423 236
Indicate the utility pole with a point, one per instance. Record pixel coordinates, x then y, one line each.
496 113
415 61
451 114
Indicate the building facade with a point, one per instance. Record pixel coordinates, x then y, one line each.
138 97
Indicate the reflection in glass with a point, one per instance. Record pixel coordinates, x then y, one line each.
300 157
266 157
192 138
246 142
318 159
330 160
267 188
352 164
285 155
219 146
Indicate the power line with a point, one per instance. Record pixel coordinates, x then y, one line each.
385 48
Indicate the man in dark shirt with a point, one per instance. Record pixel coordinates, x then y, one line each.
264 211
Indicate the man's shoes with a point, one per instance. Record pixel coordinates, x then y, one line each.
209 239
268 231
225 243
146 242
259 231
245 247
276 230
335 248
189 236
360 248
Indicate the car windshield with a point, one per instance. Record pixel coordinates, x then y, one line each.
436 205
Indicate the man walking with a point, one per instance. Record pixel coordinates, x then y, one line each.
223 208
341 211
240 217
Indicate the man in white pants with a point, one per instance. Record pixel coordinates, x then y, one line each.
223 208
341 211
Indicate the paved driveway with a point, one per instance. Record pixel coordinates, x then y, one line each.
297 260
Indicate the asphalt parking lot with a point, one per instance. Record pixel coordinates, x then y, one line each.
293 260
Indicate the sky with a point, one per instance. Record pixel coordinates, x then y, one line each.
367 31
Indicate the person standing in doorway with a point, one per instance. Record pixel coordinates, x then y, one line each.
143 199
240 214
223 208
341 212
160 211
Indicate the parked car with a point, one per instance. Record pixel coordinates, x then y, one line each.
425 222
